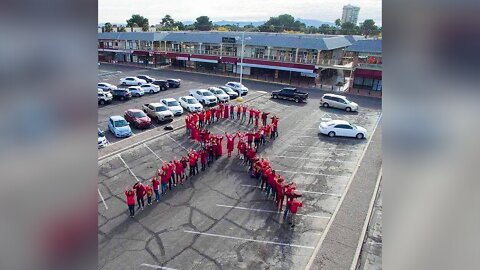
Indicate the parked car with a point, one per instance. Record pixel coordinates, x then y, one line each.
150 88
162 84
106 86
219 93
121 94
342 128
229 91
137 118
339 102
119 127
104 97
102 140
172 105
132 81
146 78
174 83
136 91
190 104
204 96
290 93
238 87
158 112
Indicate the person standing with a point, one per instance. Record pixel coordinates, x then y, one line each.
130 194
230 143
239 111
218 113
257 139
274 127
294 205
184 162
226 111
250 136
219 140
155 185
262 135
203 158
149 192
201 119
164 181
264 118
208 117
140 192
244 113
251 114
232 111
178 171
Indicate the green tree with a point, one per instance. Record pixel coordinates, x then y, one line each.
348 28
311 30
179 25
203 23
368 28
121 29
338 22
167 21
108 27
284 22
138 20
324 29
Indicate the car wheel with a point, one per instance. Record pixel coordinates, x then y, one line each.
359 136
159 120
102 102
139 84
331 134
348 109
325 105
124 83
297 100
151 92
122 98
275 96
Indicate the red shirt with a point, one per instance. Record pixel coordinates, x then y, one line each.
155 183
202 116
192 159
257 135
251 112
244 109
149 191
203 157
130 197
178 166
208 114
232 108
294 205
249 136
140 190
164 178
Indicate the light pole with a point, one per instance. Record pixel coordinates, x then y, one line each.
241 55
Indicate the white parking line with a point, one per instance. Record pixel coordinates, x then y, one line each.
103 200
128 168
144 144
250 240
157 266
312 159
177 142
266 211
320 174
304 191
325 148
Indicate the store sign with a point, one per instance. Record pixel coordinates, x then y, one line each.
228 40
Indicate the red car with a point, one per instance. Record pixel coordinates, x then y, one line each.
137 118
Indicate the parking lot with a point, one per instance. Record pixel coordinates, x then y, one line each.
219 219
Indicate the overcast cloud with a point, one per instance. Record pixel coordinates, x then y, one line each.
118 11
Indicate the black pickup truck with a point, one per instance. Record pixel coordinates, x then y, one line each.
291 94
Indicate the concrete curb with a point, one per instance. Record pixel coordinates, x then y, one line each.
361 241
157 136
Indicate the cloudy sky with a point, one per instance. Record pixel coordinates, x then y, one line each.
118 11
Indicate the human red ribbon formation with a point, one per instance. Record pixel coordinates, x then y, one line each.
173 173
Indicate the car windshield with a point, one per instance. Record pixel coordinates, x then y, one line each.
120 123
207 94
172 103
139 114
161 109
192 101
100 133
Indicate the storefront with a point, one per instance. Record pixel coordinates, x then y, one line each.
367 79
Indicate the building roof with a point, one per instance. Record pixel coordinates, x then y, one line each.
354 39
304 41
367 45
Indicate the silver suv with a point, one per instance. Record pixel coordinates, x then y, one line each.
339 102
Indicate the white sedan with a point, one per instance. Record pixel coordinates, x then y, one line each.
150 88
136 91
190 104
132 81
106 86
342 128
219 93
172 105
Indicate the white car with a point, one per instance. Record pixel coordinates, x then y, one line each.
172 105
132 81
106 87
337 101
204 96
102 140
342 128
238 87
150 88
219 93
190 104
136 91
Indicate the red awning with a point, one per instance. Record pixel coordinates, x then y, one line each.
366 73
140 52
208 57
278 64
229 60
175 55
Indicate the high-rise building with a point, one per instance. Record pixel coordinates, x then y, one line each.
350 14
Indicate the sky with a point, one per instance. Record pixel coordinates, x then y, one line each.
118 11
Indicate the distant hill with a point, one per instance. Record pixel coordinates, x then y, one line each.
241 24
316 23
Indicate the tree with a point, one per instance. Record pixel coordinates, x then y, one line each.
138 20
121 29
324 29
167 21
311 30
284 22
179 26
348 28
368 28
108 27
338 22
203 23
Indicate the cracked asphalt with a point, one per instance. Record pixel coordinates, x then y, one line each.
219 219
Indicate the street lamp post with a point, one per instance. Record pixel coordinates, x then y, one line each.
241 55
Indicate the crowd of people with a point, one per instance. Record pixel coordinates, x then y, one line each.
174 172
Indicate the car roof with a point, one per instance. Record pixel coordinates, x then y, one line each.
117 117
156 104
290 88
134 110
169 99
215 88
187 97
333 95
202 90
338 122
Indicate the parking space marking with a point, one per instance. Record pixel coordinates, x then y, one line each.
304 191
267 211
177 143
313 159
157 266
250 240
316 174
326 148
128 168
144 144
103 200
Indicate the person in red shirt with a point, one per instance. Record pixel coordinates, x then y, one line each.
195 133
171 173
274 127
270 183
251 113
130 194
164 181
264 118
218 113
203 159
239 111
290 193
268 130
257 139
294 205
149 192
241 145
178 171
244 113
184 162
155 185
219 140
232 111
208 116
230 143
226 110
249 136
140 192
193 157
201 118
187 124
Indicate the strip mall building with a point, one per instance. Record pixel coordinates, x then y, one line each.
311 57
